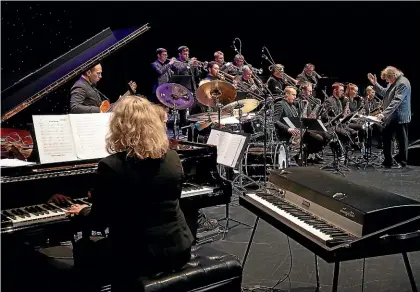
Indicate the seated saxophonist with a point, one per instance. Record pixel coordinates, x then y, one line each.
333 108
314 104
286 108
311 110
354 102
372 106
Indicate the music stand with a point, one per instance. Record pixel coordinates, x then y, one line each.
305 124
230 151
336 145
186 81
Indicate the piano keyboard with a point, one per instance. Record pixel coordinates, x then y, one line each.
36 214
302 220
190 190
50 212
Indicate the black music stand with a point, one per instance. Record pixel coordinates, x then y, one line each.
237 143
336 146
305 124
186 81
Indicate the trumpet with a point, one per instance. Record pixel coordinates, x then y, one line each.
191 63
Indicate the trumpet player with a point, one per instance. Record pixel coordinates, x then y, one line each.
219 58
182 66
162 70
285 107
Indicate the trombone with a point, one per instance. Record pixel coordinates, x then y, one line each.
280 69
254 70
236 81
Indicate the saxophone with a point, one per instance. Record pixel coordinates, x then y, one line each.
305 108
313 114
346 111
295 140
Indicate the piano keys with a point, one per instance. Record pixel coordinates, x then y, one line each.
203 187
336 219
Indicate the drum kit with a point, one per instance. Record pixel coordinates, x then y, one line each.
219 97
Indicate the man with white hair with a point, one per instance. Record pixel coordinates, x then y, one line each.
396 114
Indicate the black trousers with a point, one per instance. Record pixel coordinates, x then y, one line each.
360 132
314 140
401 134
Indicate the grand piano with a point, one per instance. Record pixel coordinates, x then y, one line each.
26 190
336 219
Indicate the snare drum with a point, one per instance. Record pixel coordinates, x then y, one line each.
277 157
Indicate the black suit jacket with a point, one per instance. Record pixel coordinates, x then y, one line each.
139 201
333 107
283 109
162 73
84 98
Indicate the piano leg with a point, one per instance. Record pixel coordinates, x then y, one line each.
409 272
250 242
335 278
317 273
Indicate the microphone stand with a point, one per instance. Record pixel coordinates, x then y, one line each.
265 119
300 112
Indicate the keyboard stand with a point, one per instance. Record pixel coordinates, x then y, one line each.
248 248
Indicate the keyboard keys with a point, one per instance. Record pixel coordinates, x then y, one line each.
31 215
302 219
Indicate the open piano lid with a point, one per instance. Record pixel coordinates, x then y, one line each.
55 74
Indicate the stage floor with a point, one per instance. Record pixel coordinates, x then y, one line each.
269 259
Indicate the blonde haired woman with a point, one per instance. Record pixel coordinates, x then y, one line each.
136 195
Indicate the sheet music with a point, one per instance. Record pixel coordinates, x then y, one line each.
229 146
222 146
213 138
322 125
54 138
89 132
7 162
232 152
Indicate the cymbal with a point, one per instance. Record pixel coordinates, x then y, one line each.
174 96
208 92
246 105
207 117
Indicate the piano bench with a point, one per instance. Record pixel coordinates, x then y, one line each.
207 270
